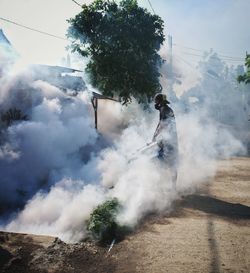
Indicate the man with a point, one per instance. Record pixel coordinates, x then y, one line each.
166 135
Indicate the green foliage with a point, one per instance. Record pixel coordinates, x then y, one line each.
102 223
245 77
121 41
12 115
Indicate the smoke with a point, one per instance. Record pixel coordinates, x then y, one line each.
62 211
144 185
45 146
56 168
8 56
202 141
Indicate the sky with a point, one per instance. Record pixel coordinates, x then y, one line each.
200 24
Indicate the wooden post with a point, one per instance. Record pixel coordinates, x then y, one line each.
95 106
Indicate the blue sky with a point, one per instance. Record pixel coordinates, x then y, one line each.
222 24
202 24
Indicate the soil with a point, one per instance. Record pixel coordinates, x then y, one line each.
208 231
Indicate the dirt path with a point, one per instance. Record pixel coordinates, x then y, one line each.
207 232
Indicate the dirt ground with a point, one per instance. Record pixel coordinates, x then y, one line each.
206 232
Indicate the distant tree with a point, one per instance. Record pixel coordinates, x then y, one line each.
246 77
122 41
216 92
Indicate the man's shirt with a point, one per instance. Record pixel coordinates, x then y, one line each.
168 126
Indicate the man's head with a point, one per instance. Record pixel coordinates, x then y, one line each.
160 100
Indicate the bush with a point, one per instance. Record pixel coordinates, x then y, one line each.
102 224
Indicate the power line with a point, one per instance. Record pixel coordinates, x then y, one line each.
77 3
200 50
219 56
33 29
151 6
188 63
226 58
188 47
194 68
223 57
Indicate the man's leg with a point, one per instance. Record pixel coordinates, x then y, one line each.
174 175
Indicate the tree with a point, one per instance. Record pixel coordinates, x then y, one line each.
122 41
216 93
246 77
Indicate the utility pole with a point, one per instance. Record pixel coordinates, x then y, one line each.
170 91
94 101
170 56
170 49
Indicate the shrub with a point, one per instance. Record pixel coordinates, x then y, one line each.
103 225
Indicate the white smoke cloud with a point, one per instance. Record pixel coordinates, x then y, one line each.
144 184
41 158
47 144
61 212
141 185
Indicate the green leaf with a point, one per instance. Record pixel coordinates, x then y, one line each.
122 40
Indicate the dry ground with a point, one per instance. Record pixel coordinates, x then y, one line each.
206 232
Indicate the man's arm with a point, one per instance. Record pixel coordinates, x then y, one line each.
157 131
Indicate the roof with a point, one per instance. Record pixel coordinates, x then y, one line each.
3 38
102 97
54 68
